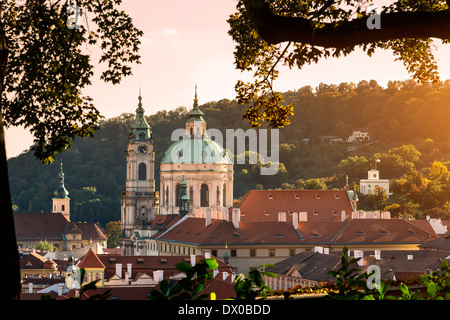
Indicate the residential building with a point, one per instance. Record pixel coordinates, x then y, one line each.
311 268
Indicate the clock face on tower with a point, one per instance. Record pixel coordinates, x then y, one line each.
142 149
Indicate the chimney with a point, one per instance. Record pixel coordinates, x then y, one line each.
385 215
233 277
236 212
225 214
208 217
281 216
193 259
410 257
215 272
30 287
326 250
355 215
359 254
224 275
129 269
207 255
158 275
343 215
60 289
119 269
318 249
377 254
295 220
303 216
127 277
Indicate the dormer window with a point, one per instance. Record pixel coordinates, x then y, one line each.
297 196
318 196
270 196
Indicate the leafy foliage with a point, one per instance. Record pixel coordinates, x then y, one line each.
190 287
253 286
257 53
48 67
350 280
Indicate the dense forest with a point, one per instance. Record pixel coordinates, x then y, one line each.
408 125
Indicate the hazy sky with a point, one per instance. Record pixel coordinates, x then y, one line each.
186 43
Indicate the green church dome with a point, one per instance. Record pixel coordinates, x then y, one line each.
196 151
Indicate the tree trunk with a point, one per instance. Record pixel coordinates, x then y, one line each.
10 266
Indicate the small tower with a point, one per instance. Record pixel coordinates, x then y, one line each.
61 201
184 198
196 124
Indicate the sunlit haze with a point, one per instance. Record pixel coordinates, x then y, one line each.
186 43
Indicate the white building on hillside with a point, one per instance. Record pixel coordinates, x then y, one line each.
367 186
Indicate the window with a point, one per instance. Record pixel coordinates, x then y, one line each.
233 253
252 252
291 252
224 191
97 276
178 195
214 252
271 252
63 208
142 136
204 196
142 171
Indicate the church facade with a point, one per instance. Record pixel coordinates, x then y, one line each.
196 173
203 163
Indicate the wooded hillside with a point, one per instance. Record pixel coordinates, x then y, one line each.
408 125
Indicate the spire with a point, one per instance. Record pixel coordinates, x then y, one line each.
195 114
140 130
195 97
61 191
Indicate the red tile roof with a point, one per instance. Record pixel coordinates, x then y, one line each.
219 232
90 260
383 231
148 264
52 227
321 205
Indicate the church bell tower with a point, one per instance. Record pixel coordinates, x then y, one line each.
139 201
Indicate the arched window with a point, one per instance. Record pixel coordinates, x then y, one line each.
142 171
167 196
177 195
224 193
204 196
191 197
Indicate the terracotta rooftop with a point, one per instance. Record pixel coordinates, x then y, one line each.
90 260
193 230
384 231
321 205
52 227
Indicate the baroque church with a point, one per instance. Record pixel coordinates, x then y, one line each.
196 174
